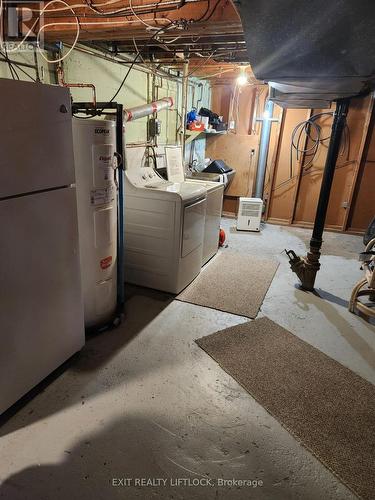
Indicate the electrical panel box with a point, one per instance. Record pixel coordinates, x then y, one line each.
249 214
154 127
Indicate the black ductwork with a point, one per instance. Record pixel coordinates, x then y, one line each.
311 51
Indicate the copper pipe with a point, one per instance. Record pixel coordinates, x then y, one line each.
62 83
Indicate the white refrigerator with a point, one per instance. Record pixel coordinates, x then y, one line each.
41 311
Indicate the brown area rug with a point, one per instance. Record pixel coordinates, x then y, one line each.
327 407
232 282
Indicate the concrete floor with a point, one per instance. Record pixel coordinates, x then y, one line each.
143 401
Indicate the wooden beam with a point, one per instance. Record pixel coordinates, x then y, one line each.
109 31
224 18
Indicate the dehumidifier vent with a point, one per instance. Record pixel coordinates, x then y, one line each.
249 209
249 214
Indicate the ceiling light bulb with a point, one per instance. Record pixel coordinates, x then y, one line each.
242 80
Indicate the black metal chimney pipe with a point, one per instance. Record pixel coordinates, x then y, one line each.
338 126
307 267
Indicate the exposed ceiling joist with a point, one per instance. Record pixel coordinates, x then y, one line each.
161 30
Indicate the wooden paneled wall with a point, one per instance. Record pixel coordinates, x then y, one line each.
220 100
281 183
292 188
239 147
363 202
236 151
292 191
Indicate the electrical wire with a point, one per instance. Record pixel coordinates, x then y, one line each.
153 156
304 129
149 66
95 9
172 41
125 78
137 51
12 71
94 23
213 11
109 56
89 5
139 18
25 72
202 64
42 28
219 73
12 63
311 151
203 17
138 55
205 13
77 23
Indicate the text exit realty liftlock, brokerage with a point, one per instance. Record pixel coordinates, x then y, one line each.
185 482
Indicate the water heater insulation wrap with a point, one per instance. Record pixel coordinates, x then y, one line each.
94 154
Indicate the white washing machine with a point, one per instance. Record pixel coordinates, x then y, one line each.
215 194
164 227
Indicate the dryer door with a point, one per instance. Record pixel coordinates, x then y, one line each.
193 228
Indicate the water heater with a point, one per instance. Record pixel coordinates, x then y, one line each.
94 155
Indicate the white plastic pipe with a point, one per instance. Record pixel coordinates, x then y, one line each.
147 109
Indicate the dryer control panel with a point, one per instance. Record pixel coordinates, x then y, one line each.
146 177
